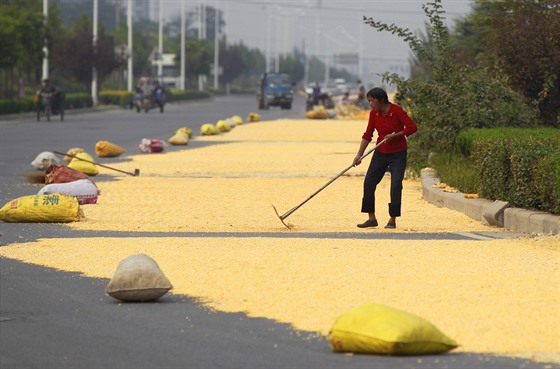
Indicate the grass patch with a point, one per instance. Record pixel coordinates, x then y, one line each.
458 171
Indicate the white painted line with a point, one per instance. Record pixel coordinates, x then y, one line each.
476 236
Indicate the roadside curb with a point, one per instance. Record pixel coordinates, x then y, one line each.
496 213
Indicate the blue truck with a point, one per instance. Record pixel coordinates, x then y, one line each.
276 89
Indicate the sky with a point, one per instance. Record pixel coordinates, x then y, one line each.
326 28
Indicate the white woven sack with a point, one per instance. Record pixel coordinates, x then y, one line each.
84 190
44 160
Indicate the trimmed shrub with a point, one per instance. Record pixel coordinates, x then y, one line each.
465 140
77 100
115 97
523 171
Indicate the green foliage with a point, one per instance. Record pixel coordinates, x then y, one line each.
456 97
524 172
458 171
17 106
27 104
115 97
521 37
75 56
78 100
466 139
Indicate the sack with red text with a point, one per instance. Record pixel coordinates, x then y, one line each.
83 190
55 208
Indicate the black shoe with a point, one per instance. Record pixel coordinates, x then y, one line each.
391 225
368 224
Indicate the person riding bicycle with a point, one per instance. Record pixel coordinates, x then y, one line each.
46 87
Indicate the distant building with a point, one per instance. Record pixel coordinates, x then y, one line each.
170 73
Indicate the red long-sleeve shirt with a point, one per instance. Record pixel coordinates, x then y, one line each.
396 120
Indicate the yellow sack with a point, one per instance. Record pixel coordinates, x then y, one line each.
83 166
73 151
379 329
223 126
253 117
54 208
186 130
179 138
237 119
106 149
208 129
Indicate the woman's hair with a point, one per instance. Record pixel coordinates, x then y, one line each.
378 94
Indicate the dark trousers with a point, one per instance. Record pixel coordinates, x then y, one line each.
396 162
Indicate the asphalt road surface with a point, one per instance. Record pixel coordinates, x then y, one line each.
53 319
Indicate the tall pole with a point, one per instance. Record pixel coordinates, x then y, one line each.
45 47
94 69
201 36
216 45
182 83
361 52
268 47
276 45
129 23
160 40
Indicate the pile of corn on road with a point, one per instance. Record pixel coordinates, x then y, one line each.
498 296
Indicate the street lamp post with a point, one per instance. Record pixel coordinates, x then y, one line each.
129 23
45 47
182 83
94 69
160 41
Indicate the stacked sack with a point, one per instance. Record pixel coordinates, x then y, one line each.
68 181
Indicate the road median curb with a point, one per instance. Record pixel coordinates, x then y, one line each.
496 213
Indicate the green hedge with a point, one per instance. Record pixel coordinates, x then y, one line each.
115 97
106 97
465 140
522 168
27 104
77 100
17 106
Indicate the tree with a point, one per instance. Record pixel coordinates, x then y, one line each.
197 60
456 96
23 33
231 63
522 39
528 47
293 64
75 55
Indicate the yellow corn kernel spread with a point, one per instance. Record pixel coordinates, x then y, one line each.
493 296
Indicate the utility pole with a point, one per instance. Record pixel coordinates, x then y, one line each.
160 41
129 24
45 46
216 45
94 69
182 83
201 36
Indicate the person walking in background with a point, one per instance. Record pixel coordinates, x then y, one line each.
392 123
345 99
316 92
361 100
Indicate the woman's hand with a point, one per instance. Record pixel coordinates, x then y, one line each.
392 136
357 160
